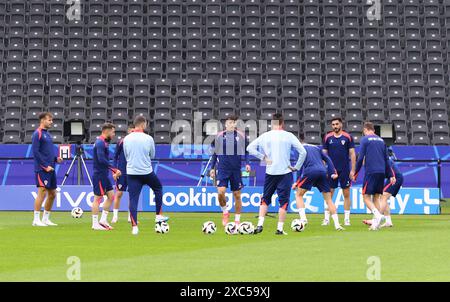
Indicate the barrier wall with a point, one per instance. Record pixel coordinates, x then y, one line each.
174 168
204 199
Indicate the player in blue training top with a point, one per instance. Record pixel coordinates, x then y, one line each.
390 190
120 163
44 169
315 173
229 148
373 152
340 147
101 182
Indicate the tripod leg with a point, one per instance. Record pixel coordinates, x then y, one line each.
68 171
85 169
204 171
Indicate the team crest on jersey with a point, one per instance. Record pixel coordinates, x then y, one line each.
119 186
343 142
237 138
45 182
331 141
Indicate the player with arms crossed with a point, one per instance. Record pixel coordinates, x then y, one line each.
139 149
44 168
390 190
121 184
316 174
340 147
229 147
100 180
275 151
374 154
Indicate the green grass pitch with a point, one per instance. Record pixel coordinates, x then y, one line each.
416 249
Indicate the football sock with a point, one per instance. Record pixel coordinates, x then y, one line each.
260 221
388 219
224 209
327 215
94 219
37 215
376 213
336 220
347 215
116 212
104 216
280 226
46 216
302 214
237 217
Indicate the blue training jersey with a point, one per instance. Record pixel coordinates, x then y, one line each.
373 152
120 161
314 162
229 148
43 150
101 157
394 166
338 149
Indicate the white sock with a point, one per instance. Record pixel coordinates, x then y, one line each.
237 217
116 212
376 213
280 226
94 219
260 221
336 220
104 217
388 219
302 214
37 215
46 216
224 209
327 215
347 214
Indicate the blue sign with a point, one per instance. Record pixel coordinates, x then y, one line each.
204 199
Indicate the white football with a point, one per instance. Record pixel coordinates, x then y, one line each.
246 228
162 227
209 227
77 212
230 228
297 225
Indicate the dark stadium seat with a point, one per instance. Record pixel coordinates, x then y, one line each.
308 60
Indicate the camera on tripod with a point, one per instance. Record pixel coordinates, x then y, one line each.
75 133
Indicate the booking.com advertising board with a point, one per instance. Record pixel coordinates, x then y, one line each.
204 199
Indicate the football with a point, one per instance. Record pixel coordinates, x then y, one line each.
246 228
162 227
230 228
209 227
77 212
297 225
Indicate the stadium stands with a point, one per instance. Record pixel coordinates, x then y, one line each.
313 60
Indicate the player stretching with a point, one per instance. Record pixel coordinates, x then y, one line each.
275 147
101 183
340 147
44 168
229 146
121 183
315 174
139 149
376 162
389 191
